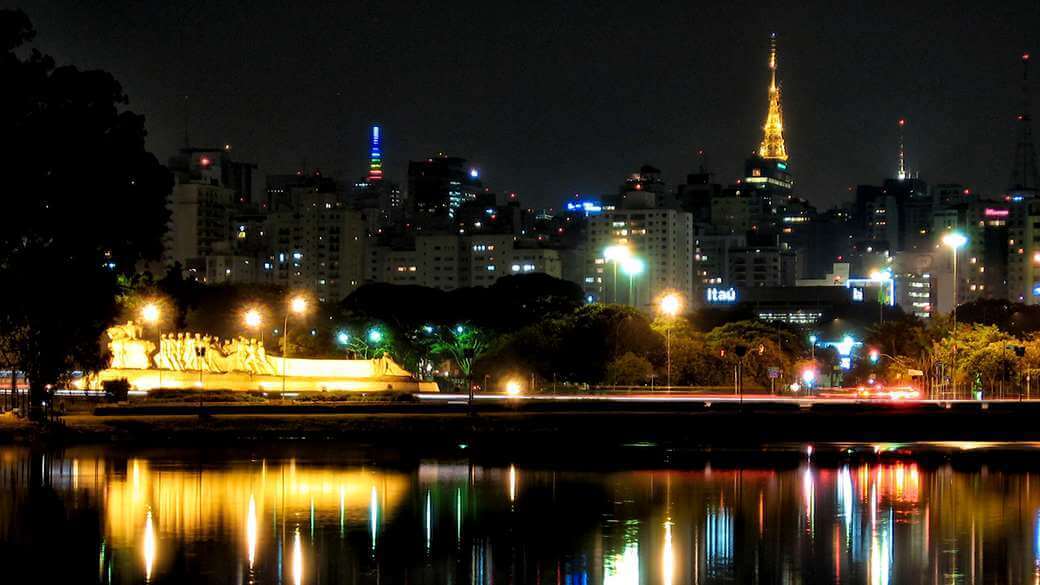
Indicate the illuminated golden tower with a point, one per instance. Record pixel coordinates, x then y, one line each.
772 147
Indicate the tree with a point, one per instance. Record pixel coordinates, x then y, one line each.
576 347
769 345
463 344
694 363
980 349
87 203
629 370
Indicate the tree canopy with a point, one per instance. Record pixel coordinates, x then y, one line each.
88 200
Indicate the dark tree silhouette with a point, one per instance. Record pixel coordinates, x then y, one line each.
84 203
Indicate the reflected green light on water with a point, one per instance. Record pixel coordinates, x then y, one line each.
165 517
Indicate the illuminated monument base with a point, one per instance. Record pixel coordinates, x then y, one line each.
149 380
196 361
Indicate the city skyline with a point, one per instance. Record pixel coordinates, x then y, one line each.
959 97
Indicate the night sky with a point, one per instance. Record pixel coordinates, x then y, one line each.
554 99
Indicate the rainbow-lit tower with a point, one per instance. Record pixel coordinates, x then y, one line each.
772 147
375 154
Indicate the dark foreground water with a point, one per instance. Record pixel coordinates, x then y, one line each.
330 515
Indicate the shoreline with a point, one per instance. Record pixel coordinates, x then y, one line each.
538 427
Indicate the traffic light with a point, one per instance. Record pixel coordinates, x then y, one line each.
875 355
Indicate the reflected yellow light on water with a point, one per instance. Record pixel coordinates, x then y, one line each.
251 532
194 504
668 555
512 483
297 559
148 547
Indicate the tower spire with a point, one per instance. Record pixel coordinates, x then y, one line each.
902 151
1024 174
772 146
375 160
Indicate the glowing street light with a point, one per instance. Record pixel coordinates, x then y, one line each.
253 319
670 305
151 313
955 241
617 253
375 335
297 305
808 377
513 388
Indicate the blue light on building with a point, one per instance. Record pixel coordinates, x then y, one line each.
588 207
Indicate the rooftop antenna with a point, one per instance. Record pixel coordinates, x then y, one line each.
902 151
1024 176
187 142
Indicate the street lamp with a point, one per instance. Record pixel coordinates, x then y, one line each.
298 305
616 254
152 314
254 320
633 267
513 388
812 342
954 240
670 305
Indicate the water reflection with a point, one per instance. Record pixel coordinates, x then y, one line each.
297 559
148 546
168 517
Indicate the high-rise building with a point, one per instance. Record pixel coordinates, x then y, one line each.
1024 212
214 166
761 266
449 260
210 190
285 191
437 187
318 245
1025 180
660 243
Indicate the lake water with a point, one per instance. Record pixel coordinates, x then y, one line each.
337 515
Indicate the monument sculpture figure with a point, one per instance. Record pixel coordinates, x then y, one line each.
128 349
226 360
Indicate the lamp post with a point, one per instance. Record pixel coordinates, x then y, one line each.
615 254
152 314
670 305
297 305
812 344
633 267
954 240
